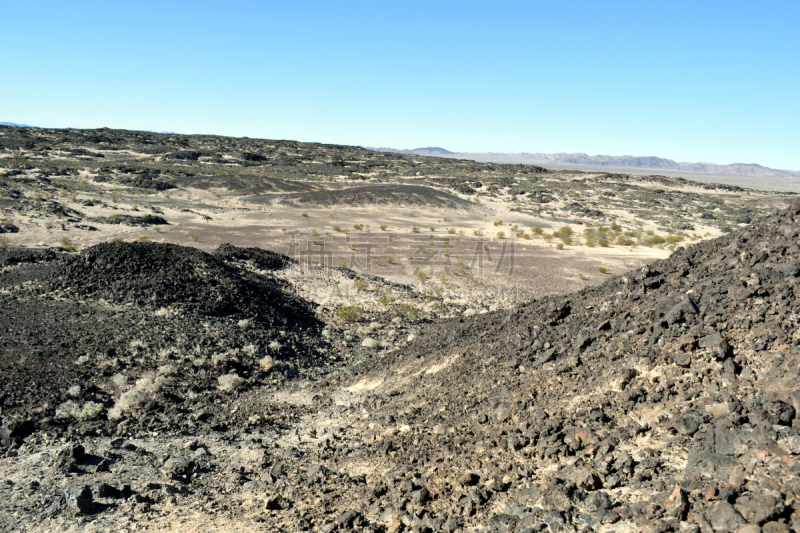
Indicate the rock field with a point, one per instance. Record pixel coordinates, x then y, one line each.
151 386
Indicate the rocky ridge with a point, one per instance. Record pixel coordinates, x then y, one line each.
662 400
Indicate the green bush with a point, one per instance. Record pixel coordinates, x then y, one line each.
411 313
349 313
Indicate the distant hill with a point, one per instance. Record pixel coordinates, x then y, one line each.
430 150
609 161
14 124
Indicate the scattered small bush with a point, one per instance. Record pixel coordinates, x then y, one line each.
68 409
602 270
4 241
165 370
91 410
75 390
266 363
349 313
230 382
361 285
193 236
130 399
383 227
411 313
67 244
275 346
560 246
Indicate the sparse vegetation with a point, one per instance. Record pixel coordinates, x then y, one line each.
349 313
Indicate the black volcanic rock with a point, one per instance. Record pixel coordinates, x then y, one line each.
159 275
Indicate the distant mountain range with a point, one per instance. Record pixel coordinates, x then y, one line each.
16 125
605 161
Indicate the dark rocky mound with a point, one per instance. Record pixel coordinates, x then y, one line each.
128 220
263 259
12 256
665 399
388 195
165 275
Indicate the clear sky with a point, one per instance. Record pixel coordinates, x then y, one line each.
708 81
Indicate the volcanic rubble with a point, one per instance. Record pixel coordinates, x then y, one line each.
664 399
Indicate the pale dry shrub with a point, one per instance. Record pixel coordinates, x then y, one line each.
120 380
130 399
266 363
91 410
165 370
230 382
250 349
75 390
68 409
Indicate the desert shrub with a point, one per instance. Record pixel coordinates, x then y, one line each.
501 234
266 363
358 227
383 227
91 410
385 299
603 242
130 399
120 380
143 238
275 346
4 241
415 230
148 384
411 312
560 246
244 322
565 234
581 275
602 270
304 215
342 263
230 382
349 313
389 259
622 240
193 236
497 222
250 349
653 240
536 230
165 370
674 239
422 276
361 285
83 359
75 390
68 409
67 244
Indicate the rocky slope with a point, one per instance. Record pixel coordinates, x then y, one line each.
663 400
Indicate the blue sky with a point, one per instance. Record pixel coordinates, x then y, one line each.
691 81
